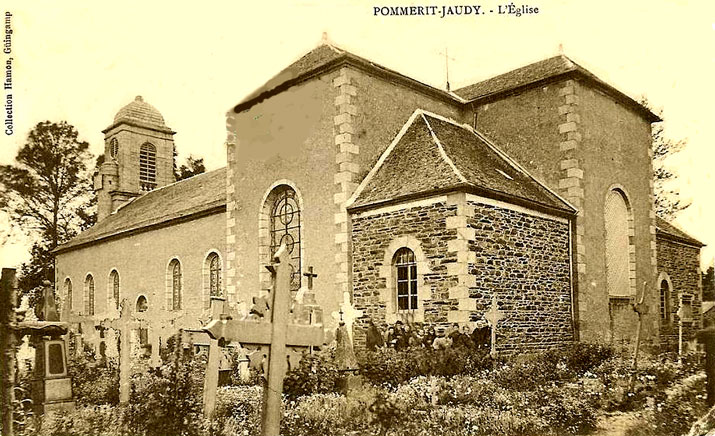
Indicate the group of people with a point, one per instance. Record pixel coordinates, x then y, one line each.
401 336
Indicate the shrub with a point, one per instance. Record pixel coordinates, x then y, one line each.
94 381
168 400
317 374
102 420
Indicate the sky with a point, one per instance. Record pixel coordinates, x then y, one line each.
82 61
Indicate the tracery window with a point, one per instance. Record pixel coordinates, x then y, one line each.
89 295
175 272
406 274
214 275
147 167
114 288
285 228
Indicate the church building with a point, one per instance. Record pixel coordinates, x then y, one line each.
532 189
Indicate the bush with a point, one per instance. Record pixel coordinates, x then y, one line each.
317 374
168 400
86 421
392 368
674 410
94 381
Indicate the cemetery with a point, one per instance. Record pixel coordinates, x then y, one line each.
298 384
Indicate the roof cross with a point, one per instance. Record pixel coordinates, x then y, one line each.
446 65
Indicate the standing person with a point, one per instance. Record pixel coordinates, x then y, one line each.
441 342
706 336
482 336
374 337
402 340
429 336
391 337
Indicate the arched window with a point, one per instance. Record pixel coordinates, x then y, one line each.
113 148
147 167
114 288
620 260
89 295
214 264
406 276
68 293
285 228
175 285
142 304
665 303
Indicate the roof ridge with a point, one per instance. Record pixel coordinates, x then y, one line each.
382 158
514 164
443 153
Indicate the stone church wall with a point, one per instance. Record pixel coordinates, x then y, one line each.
681 263
523 260
373 237
287 138
582 143
522 257
142 262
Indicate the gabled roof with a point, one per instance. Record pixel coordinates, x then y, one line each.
196 196
669 231
557 67
434 154
322 59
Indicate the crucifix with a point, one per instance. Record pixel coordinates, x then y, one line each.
493 317
347 314
641 309
279 342
446 65
159 323
124 325
311 275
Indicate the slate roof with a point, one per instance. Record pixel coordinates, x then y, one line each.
669 231
321 59
141 111
433 154
196 195
543 71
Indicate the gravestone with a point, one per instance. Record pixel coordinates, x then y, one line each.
347 314
345 359
493 316
124 325
277 340
641 309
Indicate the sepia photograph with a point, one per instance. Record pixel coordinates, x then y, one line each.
355 218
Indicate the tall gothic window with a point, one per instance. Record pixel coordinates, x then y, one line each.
285 228
68 294
89 295
406 273
665 301
618 263
147 167
114 287
175 274
214 275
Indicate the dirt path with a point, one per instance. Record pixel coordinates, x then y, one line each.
615 424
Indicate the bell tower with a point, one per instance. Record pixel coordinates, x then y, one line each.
139 156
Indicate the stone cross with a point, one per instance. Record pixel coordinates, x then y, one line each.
157 321
124 325
311 275
347 314
493 316
271 337
683 313
641 309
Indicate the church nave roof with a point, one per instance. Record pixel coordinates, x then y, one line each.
433 154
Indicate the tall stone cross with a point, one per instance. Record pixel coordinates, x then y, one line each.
157 322
124 325
347 314
493 316
641 309
275 335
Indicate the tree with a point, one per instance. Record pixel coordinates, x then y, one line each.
192 167
667 199
709 284
45 192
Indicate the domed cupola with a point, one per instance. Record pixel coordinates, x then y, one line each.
139 156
